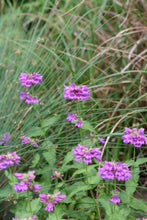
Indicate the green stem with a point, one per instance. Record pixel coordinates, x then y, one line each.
29 202
78 111
56 213
12 177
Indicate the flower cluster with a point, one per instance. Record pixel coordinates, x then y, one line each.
117 170
140 218
26 182
27 98
26 140
57 174
27 80
9 159
115 199
77 92
28 218
6 140
51 200
71 117
134 136
82 152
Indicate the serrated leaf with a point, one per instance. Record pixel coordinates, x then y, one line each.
35 205
35 132
139 204
85 203
69 157
35 160
50 156
47 123
140 161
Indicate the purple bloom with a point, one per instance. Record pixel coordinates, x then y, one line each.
22 186
28 218
56 174
27 98
116 170
79 124
51 199
26 140
9 159
71 117
102 140
115 199
134 136
27 80
36 187
85 154
77 92
6 140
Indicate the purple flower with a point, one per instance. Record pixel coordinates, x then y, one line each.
71 117
85 154
56 174
77 92
6 140
9 159
134 136
51 199
28 218
111 170
22 186
79 124
27 80
140 219
102 140
115 199
27 98
26 140
36 187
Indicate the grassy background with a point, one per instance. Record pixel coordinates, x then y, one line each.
101 43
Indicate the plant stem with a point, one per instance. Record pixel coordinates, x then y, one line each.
29 202
56 213
78 111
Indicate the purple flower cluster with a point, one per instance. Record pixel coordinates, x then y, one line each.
26 182
115 199
27 98
51 200
140 218
82 152
6 140
79 124
27 80
28 218
9 159
102 140
117 170
56 174
26 140
71 117
134 136
77 92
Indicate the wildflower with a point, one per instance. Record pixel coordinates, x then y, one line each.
26 140
56 174
27 98
9 159
134 136
116 170
27 80
77 92
6 140
71 117
102 140
51 200
79 124
26 183
85 154
115 199
27 218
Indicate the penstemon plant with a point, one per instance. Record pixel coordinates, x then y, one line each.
102 188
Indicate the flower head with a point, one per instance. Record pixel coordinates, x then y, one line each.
102 140
27 98
79 124
26 140
134 136
56 174
28 218
27 80
9 159
83 153
77 92
115 199
51 199
117 170
71 117
6 139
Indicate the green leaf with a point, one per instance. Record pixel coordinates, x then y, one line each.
106 205
140 161
47 123
69 157
35 160
85 203
35 205
35 132
50 156
59 211
11 177
139 204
